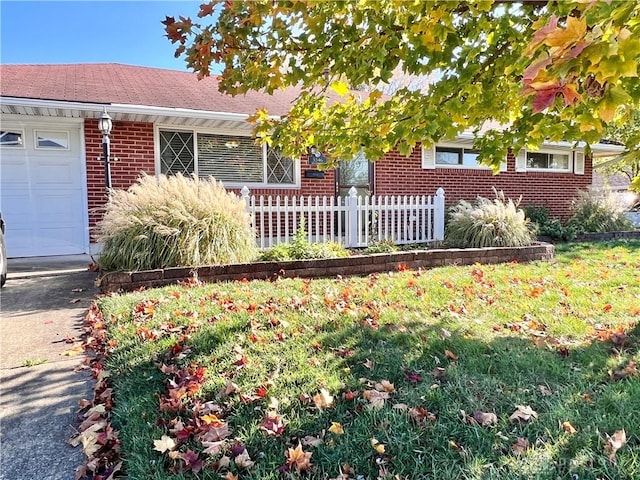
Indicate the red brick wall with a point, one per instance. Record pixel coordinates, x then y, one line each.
131 144
397 174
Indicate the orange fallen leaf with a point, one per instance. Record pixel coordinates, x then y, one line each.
449 354
298 458
567 427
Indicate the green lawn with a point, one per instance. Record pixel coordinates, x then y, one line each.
388 376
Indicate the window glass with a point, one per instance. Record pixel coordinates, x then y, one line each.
447 156
456 156
52 140
11 138
230 158
549 161
279 169
470 158
176 153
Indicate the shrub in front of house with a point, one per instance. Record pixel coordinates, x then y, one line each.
487 223
301 249
174 221
544 225
598 212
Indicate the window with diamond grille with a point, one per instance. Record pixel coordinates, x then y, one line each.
228 158
279 168
176 153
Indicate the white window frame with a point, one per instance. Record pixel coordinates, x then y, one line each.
551 151
224 132
429 158
22 135
35 139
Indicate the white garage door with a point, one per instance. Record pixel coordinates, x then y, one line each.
42 198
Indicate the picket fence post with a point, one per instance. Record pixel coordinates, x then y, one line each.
352 218
438 215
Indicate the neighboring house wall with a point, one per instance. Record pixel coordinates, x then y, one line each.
397 174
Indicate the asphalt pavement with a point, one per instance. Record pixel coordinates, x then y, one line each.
42 307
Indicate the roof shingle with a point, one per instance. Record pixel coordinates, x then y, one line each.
113 83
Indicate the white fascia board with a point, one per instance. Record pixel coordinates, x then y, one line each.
97 108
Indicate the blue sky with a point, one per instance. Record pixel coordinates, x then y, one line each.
127 32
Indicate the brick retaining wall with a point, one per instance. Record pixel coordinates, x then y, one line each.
354 265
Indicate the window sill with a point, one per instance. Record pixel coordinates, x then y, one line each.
270 186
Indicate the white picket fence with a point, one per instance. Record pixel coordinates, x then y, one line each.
353 221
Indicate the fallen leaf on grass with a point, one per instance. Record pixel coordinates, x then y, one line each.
450 355
523 413
377 446
244 460
385 386
298 459
520 446
614 443
485 419
376 398
165 443
336 428
311 441
323 399
630 370
421 416
272 425
567 427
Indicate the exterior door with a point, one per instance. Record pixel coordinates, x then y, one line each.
43 197
356 173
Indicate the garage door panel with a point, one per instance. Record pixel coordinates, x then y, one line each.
43 197
54 207
55 173
14 172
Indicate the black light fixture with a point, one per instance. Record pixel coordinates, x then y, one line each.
316 156
104 126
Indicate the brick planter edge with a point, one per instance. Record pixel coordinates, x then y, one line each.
354 265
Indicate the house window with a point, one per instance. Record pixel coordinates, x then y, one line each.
52 140
11 138
228 158
457 156
548 161
176 153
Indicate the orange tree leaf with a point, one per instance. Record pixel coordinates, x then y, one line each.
567 427
298 459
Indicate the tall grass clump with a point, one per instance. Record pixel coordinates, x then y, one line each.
174 221
598 212
487 223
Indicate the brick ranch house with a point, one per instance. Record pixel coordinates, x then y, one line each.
52 174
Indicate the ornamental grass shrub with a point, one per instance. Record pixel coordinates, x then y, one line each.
598 212
488 223
174 221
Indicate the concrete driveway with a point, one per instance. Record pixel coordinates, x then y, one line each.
42 305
